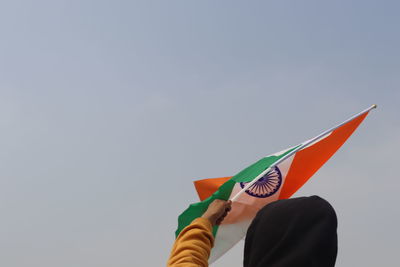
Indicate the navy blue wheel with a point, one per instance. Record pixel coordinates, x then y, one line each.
267 185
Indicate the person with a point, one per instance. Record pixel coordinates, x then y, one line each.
292 232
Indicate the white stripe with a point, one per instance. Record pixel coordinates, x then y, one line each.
244 209
300 147
235 225
232 234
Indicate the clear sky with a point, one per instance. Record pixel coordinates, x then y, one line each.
110 109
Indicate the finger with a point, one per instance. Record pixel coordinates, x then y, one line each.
221 217
218 222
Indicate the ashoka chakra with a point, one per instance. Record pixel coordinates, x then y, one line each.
267 185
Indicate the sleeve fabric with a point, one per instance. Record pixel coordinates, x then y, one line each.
193 245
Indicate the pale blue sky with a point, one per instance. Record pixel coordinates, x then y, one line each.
110 109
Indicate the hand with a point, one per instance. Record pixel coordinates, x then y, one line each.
217 211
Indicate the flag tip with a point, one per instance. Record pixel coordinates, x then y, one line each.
374 106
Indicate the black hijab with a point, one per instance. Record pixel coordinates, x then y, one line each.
292 233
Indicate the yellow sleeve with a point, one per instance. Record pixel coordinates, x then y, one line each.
193 245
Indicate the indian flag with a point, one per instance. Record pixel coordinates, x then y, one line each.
277 176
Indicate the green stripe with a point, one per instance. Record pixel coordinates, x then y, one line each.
197 209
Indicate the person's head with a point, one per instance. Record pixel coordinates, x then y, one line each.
293 233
